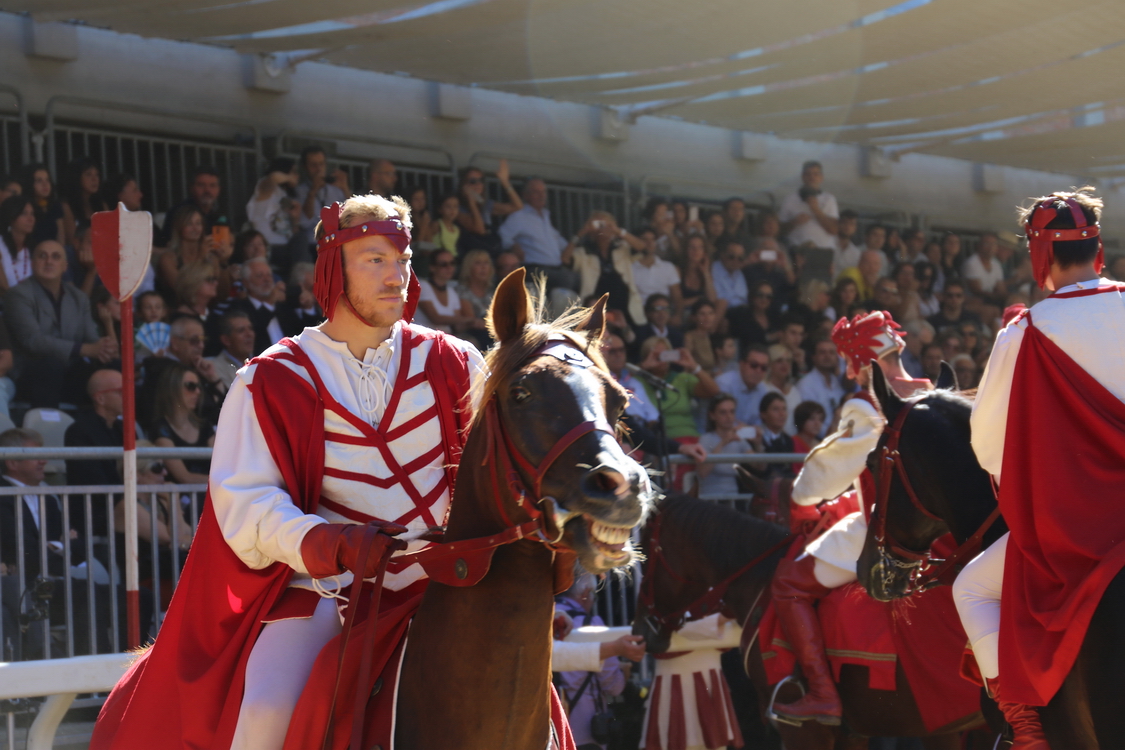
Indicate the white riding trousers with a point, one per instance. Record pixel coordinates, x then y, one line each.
976 592
276 673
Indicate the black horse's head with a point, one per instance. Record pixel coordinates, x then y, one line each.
953 493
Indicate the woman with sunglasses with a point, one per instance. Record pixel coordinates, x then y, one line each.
478 211
439 306
753 324
176 423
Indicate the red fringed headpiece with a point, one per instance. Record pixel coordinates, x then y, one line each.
866 337
328 284
1041 240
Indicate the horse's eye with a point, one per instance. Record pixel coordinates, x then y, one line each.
520 394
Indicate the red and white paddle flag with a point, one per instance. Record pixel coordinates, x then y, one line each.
122 242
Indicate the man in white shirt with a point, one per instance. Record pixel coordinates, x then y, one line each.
530 234
747 384
651 275
317 189
726 274
845 253
809 215
822 384
984 272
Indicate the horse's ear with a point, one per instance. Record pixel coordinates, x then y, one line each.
511 308
947 380
889 401
594 324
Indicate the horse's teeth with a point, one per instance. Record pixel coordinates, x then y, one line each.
609 534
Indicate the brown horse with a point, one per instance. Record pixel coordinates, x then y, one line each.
701 546
476 672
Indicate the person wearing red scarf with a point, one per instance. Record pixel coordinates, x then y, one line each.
1049 423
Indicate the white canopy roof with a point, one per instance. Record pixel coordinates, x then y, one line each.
1026 83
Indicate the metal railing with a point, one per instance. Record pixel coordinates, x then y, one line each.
15 134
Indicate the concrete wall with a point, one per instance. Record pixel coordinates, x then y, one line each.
192 79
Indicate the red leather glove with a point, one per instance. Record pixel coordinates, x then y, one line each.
329 549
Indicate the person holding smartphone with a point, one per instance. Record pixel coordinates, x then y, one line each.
318 189
809 214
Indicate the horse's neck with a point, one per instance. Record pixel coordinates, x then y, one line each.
478 657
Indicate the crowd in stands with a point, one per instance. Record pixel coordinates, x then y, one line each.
719 318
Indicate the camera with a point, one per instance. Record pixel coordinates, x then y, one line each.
38 593
807 192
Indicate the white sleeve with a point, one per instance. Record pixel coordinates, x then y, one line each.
834 465
256 515
830 207
788 208
575 657
990 410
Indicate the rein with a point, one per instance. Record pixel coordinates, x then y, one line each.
706 603
924 571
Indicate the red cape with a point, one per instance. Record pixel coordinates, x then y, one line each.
185 691
1063 469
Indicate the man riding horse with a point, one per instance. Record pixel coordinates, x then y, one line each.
386 404
830 469
1049 421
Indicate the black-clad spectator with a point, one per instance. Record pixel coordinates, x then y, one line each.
38 186
52 327
123 188
81 191
177 422
477 212
98 426
771 437
299 310
185 346
952 313
236 332
658 317
203 194
752 324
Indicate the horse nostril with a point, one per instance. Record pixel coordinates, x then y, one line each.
605 481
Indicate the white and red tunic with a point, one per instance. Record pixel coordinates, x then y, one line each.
384 456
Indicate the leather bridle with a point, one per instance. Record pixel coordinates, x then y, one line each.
922 569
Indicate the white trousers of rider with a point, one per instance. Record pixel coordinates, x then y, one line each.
976 592
276 673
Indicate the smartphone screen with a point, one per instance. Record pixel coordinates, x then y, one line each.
693 213
670 355
220 233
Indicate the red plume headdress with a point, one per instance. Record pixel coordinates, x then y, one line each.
328 284
866 337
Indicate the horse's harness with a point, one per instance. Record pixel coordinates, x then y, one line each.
923 571
465 562
704 605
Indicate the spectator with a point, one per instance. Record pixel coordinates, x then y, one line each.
603 262
177 422
123 188
770 437
9 186
705 324
714 233
447 232
539 246
99 426
203 196
7 359
190 244
780 379
844 296
919 334
197 286
17 222
984 273
439 306
913 245
262 297
420 216
893 247
951 260
725 347
185 347
773 266
866 274
382 177
81 192
658 313
931 361
721 437
928 303
268 208
52 327
845 253
587 693
660 220
952 313
476 286
477 212
965 368
813 307
951 343
823 383
792 336
236 332
726 273
972 340
809 419
735 223
317 189
299 310
639 407
747 383
654 275
754 324
686 381
887 297
766 231
37 186
84 254
875 238
506 262
809 215
151 309
696 282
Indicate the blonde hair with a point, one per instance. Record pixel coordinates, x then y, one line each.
1083 196
470 260
371 206
651 343
192 277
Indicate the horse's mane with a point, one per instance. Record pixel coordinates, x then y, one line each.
732 538
503 360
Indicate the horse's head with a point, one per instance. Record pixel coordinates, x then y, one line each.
945 488
556 407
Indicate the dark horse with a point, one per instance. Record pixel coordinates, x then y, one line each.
476 673
701 545
956 496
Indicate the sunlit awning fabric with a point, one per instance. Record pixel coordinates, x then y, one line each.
1028 83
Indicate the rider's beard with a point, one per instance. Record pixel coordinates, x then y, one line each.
376 313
